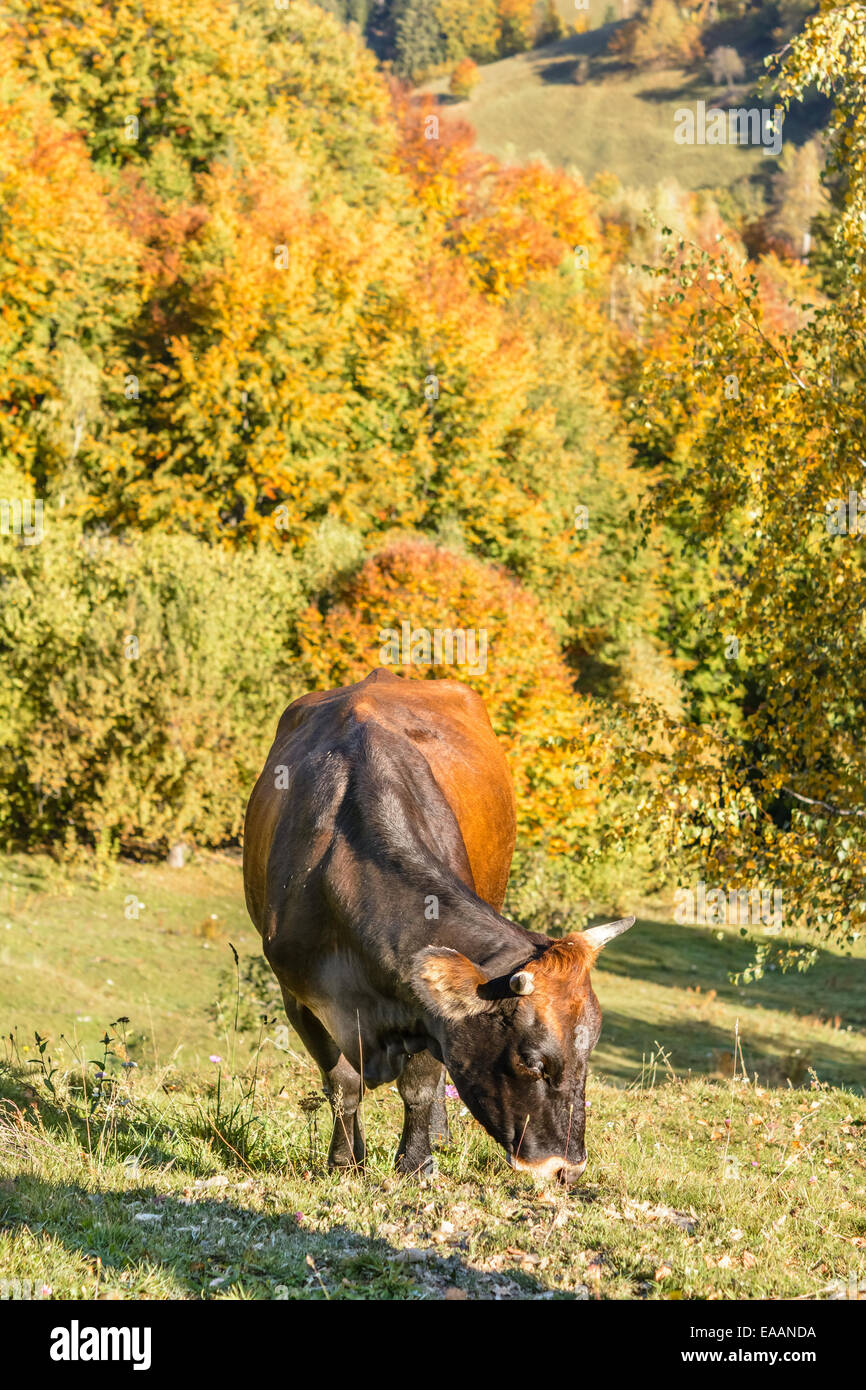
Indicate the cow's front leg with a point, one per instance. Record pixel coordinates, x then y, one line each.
343 1089
340 1082
423 1111
439 1131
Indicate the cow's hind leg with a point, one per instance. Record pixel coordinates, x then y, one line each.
340 1082
423 1112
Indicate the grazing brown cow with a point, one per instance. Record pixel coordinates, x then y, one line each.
377 847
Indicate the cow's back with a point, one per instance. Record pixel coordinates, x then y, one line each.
445 721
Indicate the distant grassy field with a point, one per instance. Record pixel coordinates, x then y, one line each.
188 1177
618 120
77 950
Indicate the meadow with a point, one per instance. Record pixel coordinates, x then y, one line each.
620 120
151 1148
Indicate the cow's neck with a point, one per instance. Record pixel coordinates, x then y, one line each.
412 900
467 924
410 849
391 906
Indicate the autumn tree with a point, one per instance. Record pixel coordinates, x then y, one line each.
549 26
507 225
799 196
726 65
418 44
68 283
661 33
167 91
516 26
468 29
555 750
464 79
771 488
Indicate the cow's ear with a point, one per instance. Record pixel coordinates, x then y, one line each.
448 982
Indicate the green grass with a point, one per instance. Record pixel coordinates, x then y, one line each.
73 956
71 960
695 1190
187 1178
667 986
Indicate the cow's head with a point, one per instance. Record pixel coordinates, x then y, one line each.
517 1046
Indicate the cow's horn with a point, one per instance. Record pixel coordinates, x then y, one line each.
600 936
521 982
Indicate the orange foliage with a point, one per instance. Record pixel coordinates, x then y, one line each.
510 225
284 355
516 24
785 286
67 277
464 78
548 730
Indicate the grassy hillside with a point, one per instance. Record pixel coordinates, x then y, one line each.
74 957
618 120
199 1171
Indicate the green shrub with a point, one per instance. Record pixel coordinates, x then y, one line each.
142 683
562 893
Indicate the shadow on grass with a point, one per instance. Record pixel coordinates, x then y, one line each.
803 121
695 1047
554 62
562 70
685 956
691 958
692 88
203 1247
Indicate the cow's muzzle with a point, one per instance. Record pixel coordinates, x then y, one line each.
547 1168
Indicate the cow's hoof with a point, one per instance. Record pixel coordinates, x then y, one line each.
346 1165
427 1168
